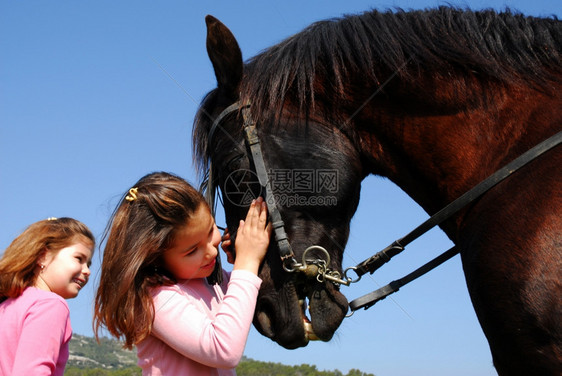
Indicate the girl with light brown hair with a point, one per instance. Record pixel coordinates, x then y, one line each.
47 263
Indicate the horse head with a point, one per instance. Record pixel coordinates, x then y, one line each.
417 98
314 173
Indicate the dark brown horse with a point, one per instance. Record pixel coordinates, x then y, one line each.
436 101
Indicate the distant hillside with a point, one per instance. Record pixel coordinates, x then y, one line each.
85 352
108 358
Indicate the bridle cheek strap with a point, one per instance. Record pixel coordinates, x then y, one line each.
285 251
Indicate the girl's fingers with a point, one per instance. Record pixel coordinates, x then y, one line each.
251 213
263 213
269 229
226 244
256 217
254 212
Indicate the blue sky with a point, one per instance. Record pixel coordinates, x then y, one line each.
95 94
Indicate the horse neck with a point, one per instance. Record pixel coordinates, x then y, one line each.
435 153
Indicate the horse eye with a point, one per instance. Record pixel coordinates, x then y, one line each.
235 162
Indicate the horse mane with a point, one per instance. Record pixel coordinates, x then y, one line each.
504 46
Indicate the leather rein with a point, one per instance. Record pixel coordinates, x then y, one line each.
318 268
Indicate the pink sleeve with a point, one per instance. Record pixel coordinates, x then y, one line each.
45 328
217 343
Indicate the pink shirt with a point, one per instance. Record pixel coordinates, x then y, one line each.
200 329
34 334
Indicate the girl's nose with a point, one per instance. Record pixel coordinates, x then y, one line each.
86 270
216 237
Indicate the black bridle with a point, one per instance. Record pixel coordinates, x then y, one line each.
285 250
318 268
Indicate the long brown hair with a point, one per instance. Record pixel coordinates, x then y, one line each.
140 230
21 259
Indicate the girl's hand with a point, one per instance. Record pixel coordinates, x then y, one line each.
226 247
252 238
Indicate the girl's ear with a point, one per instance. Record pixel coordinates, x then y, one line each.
45 257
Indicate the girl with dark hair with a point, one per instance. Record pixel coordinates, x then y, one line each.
157 288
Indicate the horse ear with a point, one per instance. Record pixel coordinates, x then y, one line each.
225 54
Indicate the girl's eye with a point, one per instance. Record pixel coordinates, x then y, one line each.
190 252
83 260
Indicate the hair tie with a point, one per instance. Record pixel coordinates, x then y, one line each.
52 219
132 196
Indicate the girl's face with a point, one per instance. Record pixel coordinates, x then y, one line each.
66 271
194 247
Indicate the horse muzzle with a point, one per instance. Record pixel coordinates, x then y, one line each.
301 311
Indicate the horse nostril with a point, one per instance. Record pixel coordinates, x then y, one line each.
265 324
